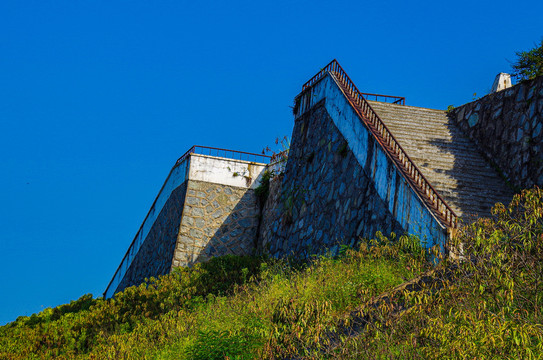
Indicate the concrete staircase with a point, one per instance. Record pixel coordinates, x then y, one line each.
449 160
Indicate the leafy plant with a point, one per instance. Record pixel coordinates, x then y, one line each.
343 149
529 64
487 306
220 345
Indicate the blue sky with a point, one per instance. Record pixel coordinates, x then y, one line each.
98 99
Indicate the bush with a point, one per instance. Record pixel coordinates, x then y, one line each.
76 328
488 306
220 345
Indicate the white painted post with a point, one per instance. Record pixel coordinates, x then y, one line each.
501 82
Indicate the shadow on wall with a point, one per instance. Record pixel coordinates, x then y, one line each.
154 256
466 179
326 198
217 220
237 235
450 161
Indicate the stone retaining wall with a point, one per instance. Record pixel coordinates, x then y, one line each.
217 220
508 127
325 198
155 254
214 212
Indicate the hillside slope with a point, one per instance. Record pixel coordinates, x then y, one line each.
258 308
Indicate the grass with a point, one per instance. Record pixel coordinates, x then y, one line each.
240 307
345 307
290 310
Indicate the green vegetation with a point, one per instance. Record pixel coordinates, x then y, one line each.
529 64
343 149
486 306
244 307
262 191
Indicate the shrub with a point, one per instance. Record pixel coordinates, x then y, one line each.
488 306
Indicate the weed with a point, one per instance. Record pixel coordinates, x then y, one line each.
292 201
262 191
343 149
310 157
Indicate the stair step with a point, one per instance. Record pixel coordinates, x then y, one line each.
449 160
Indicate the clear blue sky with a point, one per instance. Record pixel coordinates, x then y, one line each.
99 98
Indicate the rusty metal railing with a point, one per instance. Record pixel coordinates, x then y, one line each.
225 153
400 100
385 98
383 135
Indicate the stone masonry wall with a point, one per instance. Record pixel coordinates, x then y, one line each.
155 254
508 127
217 220
325 198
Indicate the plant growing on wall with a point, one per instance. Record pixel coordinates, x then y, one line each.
529 64
280 154
292 200
263 190
246 174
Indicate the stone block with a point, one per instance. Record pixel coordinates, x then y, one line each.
187 221
193 201
537 130
197 212
200 223
245 223
233 199
184 242
217 213
473 120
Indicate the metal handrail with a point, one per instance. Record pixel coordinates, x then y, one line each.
383 135
225 153
395 99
